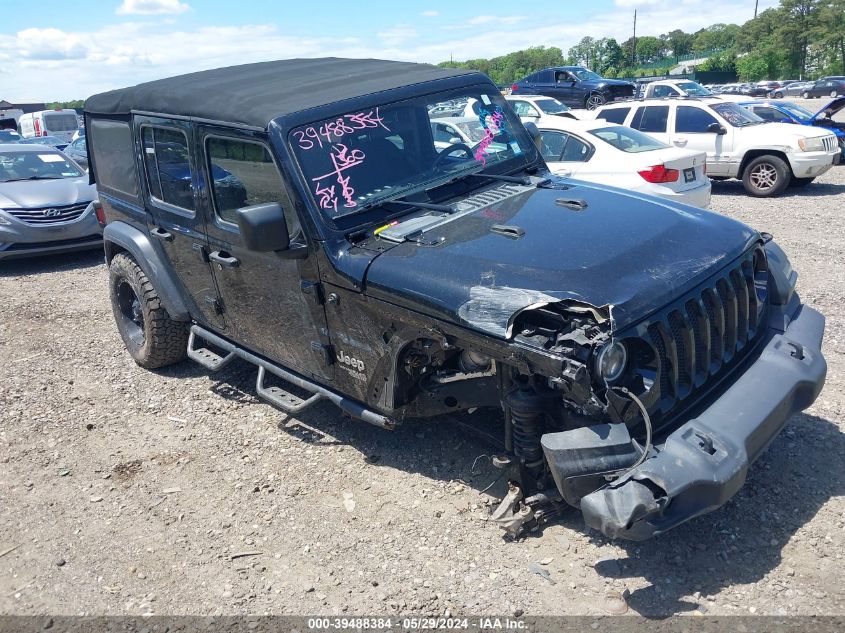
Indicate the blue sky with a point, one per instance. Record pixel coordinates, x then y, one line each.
66 50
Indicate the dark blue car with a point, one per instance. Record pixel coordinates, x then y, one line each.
575 86
788 112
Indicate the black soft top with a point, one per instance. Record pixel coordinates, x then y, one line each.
255 94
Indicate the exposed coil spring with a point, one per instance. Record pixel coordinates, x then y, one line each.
526 412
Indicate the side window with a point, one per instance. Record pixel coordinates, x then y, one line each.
576 151
614 115
442 133
113 157
552 145
692 120
168 166
243 173
662 91
768 114
651 119
522 108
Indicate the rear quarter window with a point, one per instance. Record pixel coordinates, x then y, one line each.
614 115
113 157
651 119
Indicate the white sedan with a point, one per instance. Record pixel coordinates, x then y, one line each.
610 154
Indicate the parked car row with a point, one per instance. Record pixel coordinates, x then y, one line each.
832 86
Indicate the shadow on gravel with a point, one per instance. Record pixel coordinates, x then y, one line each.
740 543
815 189
47 264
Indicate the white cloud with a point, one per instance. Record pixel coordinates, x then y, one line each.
636 3
51 64
495 19
430 14
397 35
151 7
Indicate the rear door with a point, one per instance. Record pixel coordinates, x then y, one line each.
176 222
271 301
653 120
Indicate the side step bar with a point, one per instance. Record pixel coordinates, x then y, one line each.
274 395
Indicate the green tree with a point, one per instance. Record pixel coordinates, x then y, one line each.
649 49
716 36
678 42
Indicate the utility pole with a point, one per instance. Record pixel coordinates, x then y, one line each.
634 42
756 2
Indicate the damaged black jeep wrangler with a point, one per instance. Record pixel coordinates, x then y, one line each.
317 219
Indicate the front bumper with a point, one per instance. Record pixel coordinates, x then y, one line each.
812 164
19 239
703 463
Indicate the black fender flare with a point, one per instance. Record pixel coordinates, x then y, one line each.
120 236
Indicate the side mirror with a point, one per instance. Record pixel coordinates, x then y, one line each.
263 227
716 128
455 140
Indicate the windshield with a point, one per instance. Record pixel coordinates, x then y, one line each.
627 139
551 106
9 136
35 166
736 115
65 122
796 110
584 75
362 158
694 89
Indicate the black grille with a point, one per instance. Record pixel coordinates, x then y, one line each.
49 215
700 336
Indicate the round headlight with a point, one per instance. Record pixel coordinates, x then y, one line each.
611 361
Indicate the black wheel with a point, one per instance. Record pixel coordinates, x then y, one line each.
778 95
594 100
766 176
151 336
805 95
800 182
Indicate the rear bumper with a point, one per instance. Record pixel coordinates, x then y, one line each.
703 463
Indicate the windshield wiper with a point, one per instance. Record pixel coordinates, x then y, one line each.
522 180
422 205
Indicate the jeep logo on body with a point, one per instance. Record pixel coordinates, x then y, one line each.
352 362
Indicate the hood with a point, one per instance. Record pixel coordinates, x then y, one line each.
613 82
630 254
830 109
770 134
31 194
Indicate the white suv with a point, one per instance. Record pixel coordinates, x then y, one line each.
767 157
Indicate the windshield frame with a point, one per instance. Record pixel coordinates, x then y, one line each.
588 75
36 177
537 102
752 119
698 89
281 133
631 133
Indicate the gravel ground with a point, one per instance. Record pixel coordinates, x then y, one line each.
131 492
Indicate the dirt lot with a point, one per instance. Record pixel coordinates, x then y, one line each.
130 492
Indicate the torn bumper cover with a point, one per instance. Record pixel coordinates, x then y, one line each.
703 463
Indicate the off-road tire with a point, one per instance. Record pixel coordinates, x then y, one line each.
766 176
800 182
151 336
594 100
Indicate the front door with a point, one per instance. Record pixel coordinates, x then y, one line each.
270 300
177 223
691 132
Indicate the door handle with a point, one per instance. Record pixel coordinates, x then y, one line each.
224 259
161 234
680 142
